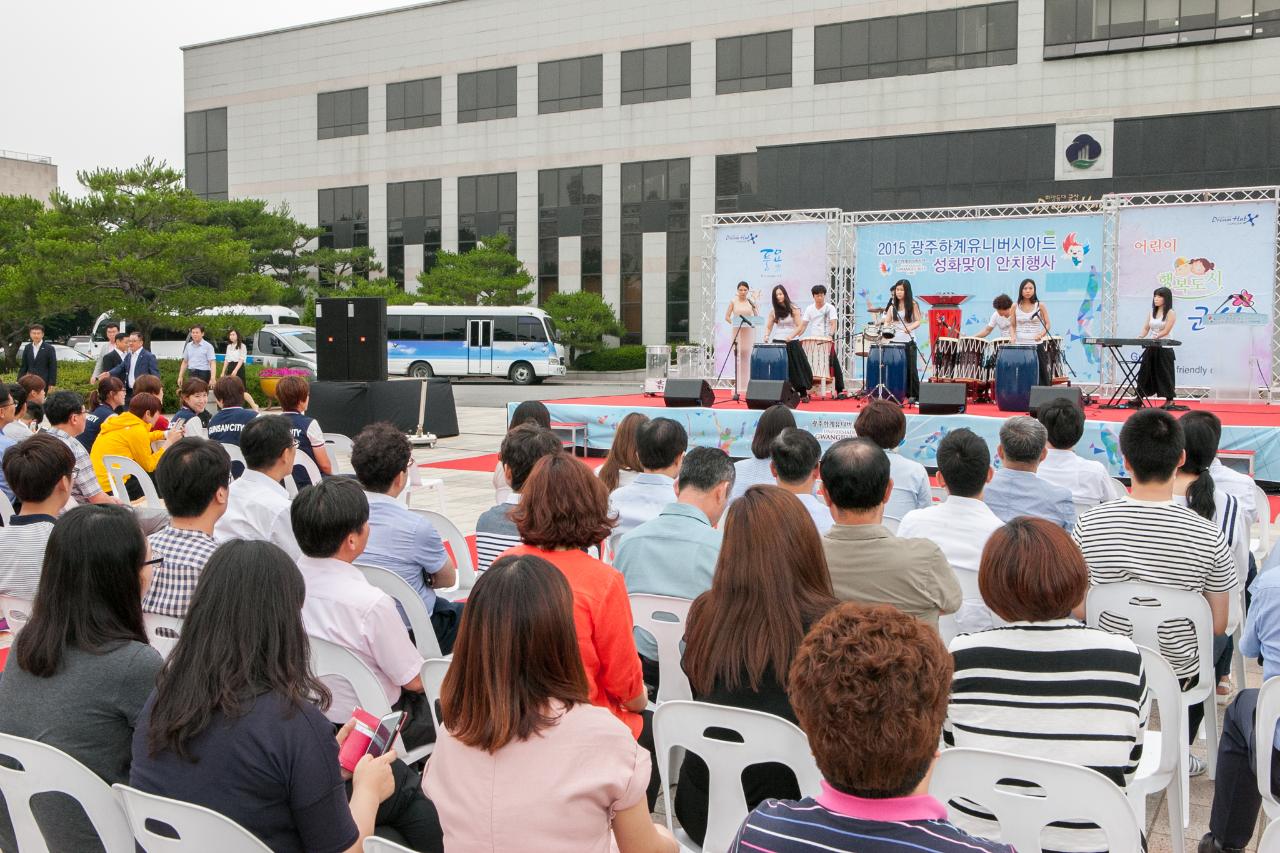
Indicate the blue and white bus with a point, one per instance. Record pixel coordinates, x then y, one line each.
432 340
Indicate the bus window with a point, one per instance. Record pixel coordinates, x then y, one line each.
410 327
433 328
393 327
504 330
455 328
530 330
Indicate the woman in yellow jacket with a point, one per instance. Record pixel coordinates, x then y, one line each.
130 434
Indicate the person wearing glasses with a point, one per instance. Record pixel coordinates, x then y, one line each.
67 421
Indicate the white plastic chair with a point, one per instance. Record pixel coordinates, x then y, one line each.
335 442
682 725
424 635
646 613
16 612
1164 752
200 830
1261 545
433 673
947 627
329 661
6 509
47 769
1067 792
457 543
1083 506
237 456
891 524
118 467
162 631
306 463
1264 729
1118 489
374 844
1270 842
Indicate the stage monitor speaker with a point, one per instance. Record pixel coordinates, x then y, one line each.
351 339
1042 395
942 398
763 393
685 393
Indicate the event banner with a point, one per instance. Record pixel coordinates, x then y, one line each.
792 255
1218 260
983 258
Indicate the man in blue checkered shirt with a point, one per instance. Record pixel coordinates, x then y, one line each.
192 477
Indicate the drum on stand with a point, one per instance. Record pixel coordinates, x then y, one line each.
818 352
946 357
887 365
769 361
1017 369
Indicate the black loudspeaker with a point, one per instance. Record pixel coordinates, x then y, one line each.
1044 394
351 339
942 398
763 393
685 393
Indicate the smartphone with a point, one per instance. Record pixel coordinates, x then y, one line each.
369 736
385 735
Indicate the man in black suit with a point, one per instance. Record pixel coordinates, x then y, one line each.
39 358
113 353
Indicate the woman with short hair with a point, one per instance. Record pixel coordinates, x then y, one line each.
131 435
193 412
755 470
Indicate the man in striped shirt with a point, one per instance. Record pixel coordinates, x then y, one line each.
520 451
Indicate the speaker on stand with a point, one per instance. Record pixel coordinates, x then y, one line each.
351 339
942 398
1042 395
763 393
688 393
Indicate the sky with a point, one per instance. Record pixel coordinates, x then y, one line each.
92 83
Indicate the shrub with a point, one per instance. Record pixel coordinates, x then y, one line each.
629 357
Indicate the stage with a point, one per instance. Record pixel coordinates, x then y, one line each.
729 426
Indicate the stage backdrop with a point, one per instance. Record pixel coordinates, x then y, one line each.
791 254
1219 261
983 258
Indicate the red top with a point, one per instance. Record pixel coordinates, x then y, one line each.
602 617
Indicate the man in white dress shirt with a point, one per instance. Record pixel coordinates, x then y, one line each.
795 456
258 506
660 444
962 524
1086 479
884 423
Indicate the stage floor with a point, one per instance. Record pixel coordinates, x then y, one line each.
730 425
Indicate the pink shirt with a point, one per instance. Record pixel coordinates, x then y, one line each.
345 609
558 790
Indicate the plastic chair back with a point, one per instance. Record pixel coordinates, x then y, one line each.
1270 842
1264 730
47 769
16 612
1165 763
1118 489
1067 792
308 466
765 738
1263 522
199 830
392 584
433 673
457 543
374 844
6 509
118 467
238 465
162 631
335 442
647 613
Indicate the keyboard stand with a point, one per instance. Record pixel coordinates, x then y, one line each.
1127 389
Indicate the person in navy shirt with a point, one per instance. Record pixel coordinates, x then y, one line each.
101 404
294 393
225 426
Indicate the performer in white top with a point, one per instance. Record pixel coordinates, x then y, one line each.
1156 375
1031 325
819 322
782 327
743 305
903 315
1000 321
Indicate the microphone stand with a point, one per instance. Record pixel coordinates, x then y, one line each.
733 351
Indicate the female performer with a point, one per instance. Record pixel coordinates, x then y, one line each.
903 315
1000 321
1030 325
1156 377
783 327
743 333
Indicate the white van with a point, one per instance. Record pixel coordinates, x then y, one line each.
168 341
283 345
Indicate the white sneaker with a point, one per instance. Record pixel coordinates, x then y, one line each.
1195 767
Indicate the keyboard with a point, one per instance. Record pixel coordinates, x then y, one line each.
1131 342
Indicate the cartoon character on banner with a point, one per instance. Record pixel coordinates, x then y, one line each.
1074 250
928 449
1110 448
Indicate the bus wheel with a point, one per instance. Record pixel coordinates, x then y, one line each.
522 373
420 370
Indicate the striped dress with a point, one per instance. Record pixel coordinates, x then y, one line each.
1056 690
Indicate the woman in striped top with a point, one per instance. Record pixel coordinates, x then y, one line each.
1044 685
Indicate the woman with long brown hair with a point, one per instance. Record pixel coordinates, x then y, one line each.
508 771
771 585
623 462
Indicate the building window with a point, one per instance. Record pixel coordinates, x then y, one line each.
413 219
344 217
206 133
413 103
754 62
570 84
569 206
736 183
1087 27
344 113
486 95
655 198
486 206
655 74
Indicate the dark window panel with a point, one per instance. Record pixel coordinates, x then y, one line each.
940 34
911 37
633 62
655 180
196 134
884 40
678 65
854 43
728 59
753 55
778 53
655 67
217 170
632 183
198 173
216 129
826 47
467 87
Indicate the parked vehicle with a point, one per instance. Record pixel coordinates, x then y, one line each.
168 341
517 342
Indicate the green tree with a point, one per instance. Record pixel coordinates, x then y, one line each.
22 301
583 319
487 275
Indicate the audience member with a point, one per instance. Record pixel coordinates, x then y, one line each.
1096 714
39 471
132 435
961 524
38 359
152 385
15 428
331 524
37 389
1147 538
524 741
622 465
7 407
193 414
521 449
231 418
32 417
399 540
755 469
675 554
530 411
294 393
885 424
1086 479
79 672
65 411
564 509
103 402
258 506
192 480
771 585
794 460
138 361
1232 482
661 444
1016 489
243 733
870 687
867 562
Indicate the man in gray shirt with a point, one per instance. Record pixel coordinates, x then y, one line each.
1016 489
198 356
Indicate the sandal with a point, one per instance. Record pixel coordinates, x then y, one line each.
1224 690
